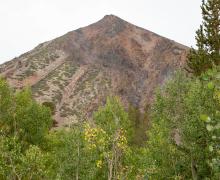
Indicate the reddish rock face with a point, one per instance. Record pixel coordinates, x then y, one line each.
80 69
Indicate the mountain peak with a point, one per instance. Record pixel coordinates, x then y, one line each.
77 71
110 17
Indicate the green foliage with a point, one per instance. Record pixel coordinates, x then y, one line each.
30 151
21 116
32 120
24 123
35 164
110 139
16 164
140 123
71 157
98 151
182 140
208 39
213 123
113 116
10 158
51 106
163 159
6 107
179 131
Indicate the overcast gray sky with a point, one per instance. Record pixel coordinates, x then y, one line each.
26 23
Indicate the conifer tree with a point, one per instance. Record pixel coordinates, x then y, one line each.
207 54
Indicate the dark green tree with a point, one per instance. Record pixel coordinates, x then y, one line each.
23 126
21 116
182 141
207 54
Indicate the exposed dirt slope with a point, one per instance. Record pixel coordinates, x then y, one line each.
111 57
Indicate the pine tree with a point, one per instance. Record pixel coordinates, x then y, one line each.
207 54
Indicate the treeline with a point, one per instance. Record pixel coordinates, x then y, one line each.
182 141
31 149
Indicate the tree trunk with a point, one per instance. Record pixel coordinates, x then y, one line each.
110 170
193 170
77 169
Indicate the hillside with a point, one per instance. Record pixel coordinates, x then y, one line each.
79 69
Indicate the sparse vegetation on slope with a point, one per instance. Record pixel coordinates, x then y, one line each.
121 59
176 136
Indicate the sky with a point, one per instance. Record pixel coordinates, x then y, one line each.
26 23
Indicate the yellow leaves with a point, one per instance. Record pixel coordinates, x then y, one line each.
99 164
110 146
95 136
217 95
121 140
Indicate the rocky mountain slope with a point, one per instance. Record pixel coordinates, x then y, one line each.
78 70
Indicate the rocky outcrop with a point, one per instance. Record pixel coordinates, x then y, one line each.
79 69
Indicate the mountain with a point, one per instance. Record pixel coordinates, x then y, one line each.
78 70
